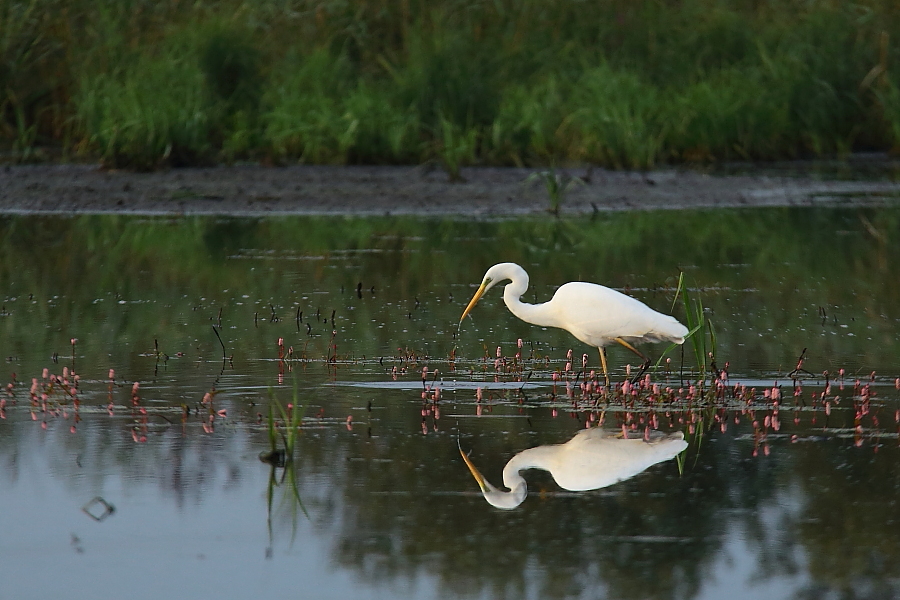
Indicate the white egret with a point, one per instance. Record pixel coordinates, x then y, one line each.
595 458
594 314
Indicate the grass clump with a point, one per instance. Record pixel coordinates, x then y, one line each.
557 186
701 336
152 114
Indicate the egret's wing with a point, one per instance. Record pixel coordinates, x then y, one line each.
595 460
597 315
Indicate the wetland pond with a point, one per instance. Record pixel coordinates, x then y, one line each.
142 359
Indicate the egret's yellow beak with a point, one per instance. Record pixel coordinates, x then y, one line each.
475 299
475 472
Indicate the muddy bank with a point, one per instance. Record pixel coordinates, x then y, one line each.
317 190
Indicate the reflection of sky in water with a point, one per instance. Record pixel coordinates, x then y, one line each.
394 512
213 542
190 521
737 574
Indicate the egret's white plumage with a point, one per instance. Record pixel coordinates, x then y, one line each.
595 458
594 314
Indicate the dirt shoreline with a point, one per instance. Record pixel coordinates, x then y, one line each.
375 190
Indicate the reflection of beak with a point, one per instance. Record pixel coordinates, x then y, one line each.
475 473
474 301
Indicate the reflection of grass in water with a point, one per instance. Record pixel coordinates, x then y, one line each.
777 252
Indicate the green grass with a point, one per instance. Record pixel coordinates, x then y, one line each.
618 84
701 336
288 429
557 186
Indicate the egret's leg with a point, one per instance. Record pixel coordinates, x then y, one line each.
603 362
644 357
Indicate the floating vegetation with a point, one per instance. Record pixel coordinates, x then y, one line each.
810 406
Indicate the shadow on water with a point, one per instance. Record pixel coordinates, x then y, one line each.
788 485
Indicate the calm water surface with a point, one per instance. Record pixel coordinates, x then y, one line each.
794 500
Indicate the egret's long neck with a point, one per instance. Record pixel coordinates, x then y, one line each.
537 314
539 457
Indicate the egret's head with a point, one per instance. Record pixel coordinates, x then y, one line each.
495 497
495 275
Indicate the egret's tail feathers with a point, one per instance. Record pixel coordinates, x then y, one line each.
668 330
660 436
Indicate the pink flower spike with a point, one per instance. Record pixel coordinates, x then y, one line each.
112 374
45 374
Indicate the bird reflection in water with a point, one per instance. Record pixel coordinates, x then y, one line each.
595 458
